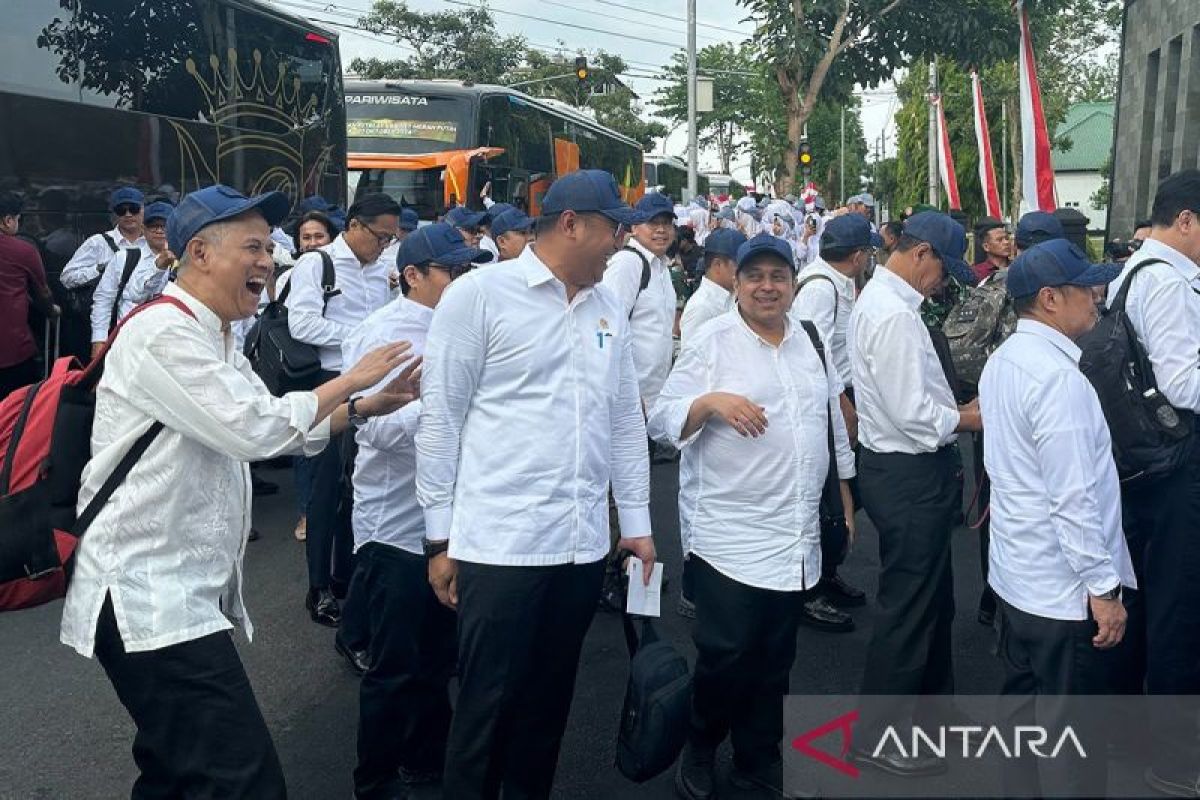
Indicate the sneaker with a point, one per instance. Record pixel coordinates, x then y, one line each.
1178 782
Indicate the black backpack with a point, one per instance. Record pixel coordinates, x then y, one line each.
284 364
1149 436
658 705
79 299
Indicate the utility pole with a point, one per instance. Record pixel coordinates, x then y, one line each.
1004 156
842 168
693 182
934 199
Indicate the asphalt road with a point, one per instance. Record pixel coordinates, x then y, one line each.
66 736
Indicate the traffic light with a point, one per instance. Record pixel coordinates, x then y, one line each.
805 155
581 68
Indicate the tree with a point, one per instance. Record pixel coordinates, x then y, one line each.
722 128
460 44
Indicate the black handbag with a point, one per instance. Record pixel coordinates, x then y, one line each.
79 299
835 533
657 707
284 364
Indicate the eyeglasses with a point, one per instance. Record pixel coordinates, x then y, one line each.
384 239
157 227
456 271
127 210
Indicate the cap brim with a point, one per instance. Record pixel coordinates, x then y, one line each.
273 206
1097 275
409 226
625 215
462 256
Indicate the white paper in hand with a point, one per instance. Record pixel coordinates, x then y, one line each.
643 600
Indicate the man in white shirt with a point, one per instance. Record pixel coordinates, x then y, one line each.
750 404
115 295
714 295
908 422
1162 514
325 318
82 271
513 230
825 293
521 358
640 274
404 706
469 223
1058 556
158 577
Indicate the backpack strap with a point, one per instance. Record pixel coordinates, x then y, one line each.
132 256
15 441
645 279
91 374
109 241
329 288
115 479
832 492
821 277
1118 303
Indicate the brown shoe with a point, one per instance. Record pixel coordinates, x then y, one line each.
302 529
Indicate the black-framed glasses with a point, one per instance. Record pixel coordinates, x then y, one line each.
156 226
384 239
456 271
127 210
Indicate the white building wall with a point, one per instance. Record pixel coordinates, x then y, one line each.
1075 190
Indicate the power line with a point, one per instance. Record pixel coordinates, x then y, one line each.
631 21
668 16
622 34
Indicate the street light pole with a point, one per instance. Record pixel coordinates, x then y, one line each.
842 156
693 182
934 200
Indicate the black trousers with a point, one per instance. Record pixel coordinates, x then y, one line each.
745 644
404 704
1050 666
1161 648
520 631
330 541
200 733
913 501
987 598
18 375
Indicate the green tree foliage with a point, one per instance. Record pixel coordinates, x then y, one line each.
721 129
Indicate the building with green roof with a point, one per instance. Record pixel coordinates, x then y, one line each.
1077 170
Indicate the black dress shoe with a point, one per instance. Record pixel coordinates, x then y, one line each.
420 776
838 591
357 659
1181 781
695 777
819 614
323 607
904 766
769 780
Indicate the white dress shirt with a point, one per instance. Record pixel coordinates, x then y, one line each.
652 318
92 257
361 289
708 301
385 471
145 283
488 243
168 545
903 400
828 304
1056 498
1164 306
749 506
530 408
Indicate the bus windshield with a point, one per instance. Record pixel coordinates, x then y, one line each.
420 189
406 122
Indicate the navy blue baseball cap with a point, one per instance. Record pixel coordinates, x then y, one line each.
160 210
512 220
655 204
126 195
1037 227
409 221
463 217
441 243
724 242
496 209
847 232
314 202
1056 262
765 244
217 203
590 191
943 234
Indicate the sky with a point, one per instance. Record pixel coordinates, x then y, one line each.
659 25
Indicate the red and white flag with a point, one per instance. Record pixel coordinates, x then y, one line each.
946 158
1037 173
987 167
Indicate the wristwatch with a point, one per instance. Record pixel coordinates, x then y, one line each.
356 419
432 548
1112 594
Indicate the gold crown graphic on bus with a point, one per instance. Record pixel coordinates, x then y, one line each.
231 96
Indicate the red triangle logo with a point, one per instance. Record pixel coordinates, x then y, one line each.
845 724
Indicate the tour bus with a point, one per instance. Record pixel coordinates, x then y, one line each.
669 175
719 182
437 143
169 97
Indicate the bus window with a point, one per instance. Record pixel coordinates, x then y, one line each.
420 189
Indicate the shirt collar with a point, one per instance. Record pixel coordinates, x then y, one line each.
787 330
415 311
533 268
118 237
710 286
1152 248
1056 338
843 282
205 315
641 248
338 248
898 286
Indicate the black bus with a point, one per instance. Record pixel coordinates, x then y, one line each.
168 96
669 175
434 144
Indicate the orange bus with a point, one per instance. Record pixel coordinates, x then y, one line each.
435 144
